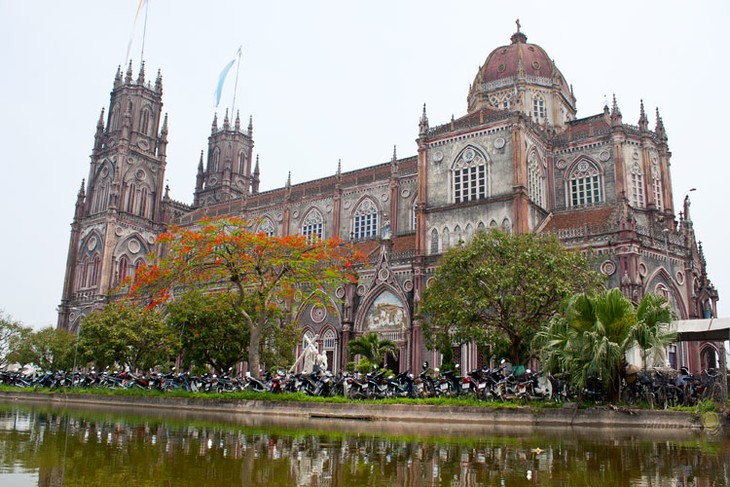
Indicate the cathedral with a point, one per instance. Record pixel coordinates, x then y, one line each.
518 159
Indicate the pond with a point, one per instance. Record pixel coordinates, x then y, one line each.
47 446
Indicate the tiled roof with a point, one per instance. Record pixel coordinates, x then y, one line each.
578 218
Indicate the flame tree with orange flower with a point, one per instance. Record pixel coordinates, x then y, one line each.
270 276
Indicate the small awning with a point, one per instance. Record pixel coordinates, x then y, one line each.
711 330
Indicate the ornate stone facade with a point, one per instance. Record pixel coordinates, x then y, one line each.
518 160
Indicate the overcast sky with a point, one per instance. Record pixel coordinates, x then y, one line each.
329 80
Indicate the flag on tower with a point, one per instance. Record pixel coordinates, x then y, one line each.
224 73
134 24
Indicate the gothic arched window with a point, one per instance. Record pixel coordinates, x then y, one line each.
313 226
241 163
434 242
329 347
144 121
267 227
538 108
365 222
215 160
114 118
470 176
123 268
656 183
637 185
535 181
584 184
445 239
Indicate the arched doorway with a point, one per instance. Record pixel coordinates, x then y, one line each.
388 317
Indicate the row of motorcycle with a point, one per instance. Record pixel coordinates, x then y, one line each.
501 383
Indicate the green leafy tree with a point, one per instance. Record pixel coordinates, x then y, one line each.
8 329
267 274
500 288
372 348
594 332
127 335
48 348
210 331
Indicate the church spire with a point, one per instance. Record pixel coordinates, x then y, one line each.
140 77
615 113
423 122
659 129
643 121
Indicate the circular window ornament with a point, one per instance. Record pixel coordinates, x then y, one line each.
499 142
469 154
642 269
143 144
383 274
361 290
536 65
405 193
318 313
608 268
582 166
295 214
140 175
680 277
501 68
635 155
91 244
561 164
408 285
213 181
604 156
133 246
438 156
340 292
430 282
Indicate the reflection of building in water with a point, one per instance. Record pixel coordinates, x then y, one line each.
230 455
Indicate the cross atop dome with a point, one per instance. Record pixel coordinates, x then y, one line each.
518 36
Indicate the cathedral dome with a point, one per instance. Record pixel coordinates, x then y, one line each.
518 63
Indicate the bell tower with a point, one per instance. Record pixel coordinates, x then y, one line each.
118 214
228 172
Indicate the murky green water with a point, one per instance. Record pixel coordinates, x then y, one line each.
93 447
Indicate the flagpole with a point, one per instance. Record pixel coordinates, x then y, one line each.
144 30
235 84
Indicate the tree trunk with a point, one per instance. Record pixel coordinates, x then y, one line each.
254 346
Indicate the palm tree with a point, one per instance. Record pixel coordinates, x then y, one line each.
593 333
372 348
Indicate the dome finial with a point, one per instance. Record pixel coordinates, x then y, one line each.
518 37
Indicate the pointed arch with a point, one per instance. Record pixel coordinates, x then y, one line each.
481 227
636 185
365 219
266 226
661 282
535 178
506 225
384 311
240 163
584 183
113 123
458 237
445 239
471 175
434 242
144 120
538 107
215 160
468 232
313 225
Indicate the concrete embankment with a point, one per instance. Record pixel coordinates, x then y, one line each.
567 416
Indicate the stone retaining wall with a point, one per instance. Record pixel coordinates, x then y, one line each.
597 417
